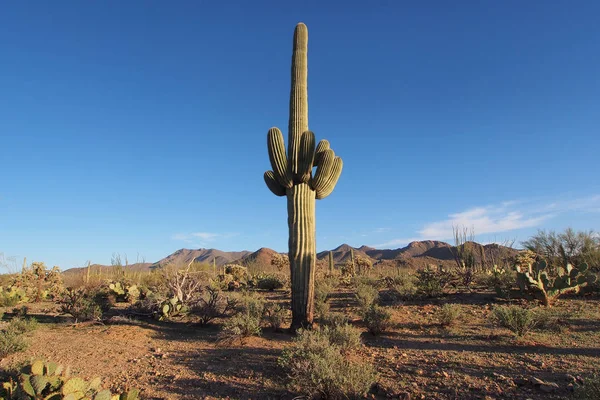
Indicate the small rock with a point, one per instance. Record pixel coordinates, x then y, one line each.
535 381
549 387
520 381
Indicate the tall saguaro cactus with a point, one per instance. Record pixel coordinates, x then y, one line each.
293 176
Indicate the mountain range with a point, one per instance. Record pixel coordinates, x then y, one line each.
416 254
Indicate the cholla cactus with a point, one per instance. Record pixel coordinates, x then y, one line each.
534 278
292 176
38 282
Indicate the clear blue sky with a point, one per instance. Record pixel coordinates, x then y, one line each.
140 126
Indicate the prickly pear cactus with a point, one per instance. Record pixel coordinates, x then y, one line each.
536 280
49 381
292 176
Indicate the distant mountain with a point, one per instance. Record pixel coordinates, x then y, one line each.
342 253
262 256
185 256
416 254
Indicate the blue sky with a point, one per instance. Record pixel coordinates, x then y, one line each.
139 127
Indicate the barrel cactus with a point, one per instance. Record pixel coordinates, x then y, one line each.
535 279
292 176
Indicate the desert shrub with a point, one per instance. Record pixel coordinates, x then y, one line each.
449 314
366 295
21 311
501 281
275 315
323 289
517 319
334 319
315 366
377 319
245 322
269 282
212 304
431 282
11 342
366 280
22 325
346 336
401 287
547 319
82 304
590 390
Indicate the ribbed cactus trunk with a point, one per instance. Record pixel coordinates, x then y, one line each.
292 176
302 252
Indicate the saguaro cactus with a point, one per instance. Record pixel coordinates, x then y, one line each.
292 176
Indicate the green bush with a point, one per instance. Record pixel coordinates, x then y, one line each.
275 315
590 390
432 282
402 287
22 325
269 282
212 304
82 304
334 319
245 322
366 295
346 336
449 314
323 289
377 319
517 319
11 342
316 367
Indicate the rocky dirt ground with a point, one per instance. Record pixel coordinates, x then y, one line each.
417 359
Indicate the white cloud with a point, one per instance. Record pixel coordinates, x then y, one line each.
504 217
199 239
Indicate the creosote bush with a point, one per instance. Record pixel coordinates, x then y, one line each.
11 337
590 390
245 322
317 366
323 289
275 315
518 320
366 295
377 319
401 287
346 336
449 314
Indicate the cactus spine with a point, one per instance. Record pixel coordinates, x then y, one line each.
292 176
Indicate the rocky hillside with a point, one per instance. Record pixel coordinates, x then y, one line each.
416 255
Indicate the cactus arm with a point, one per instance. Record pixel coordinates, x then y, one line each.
320 152
332 179
276 147
306 155
298 122
273 185
324 170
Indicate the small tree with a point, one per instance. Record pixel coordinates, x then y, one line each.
568 247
